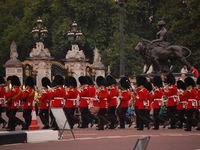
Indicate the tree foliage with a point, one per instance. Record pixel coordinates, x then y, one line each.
99 21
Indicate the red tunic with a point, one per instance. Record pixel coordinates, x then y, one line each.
190 96
92 94
57 97
13 97
44 99
182 102
157 98
113 93
71 98
103 97
198 98
143 98
2 96
84 96
125 98
27 98
171 93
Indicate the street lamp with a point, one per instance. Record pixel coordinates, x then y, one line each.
74 35
122 11
39 32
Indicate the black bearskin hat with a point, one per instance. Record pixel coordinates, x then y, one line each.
141 80
198 80
101 81
89 80
46 82
15 81
82 80
181 85
125 83
189 81
58 80
149 86
29 81
110 80
157 81
170 79
72 81
2 81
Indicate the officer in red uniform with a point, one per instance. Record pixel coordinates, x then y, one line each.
113 94
44 101
125 97
142 95
57 96
71 100
190 95
102 95
2 100
27 101
13 101
157 98
198 99
93 102
181 105
84 99
172 96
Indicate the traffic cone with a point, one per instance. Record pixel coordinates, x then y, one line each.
34 123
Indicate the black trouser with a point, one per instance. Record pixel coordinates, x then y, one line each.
181 117
69 112
102 118
143 118
189 120
53 123
137 116
44 116
171 113
14 120
27 117
85 117
156 117
122 117
111 116
1 119
8 113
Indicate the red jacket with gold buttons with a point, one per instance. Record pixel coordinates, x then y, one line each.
113 93
84 96
103 97
2 96
171 93
27 98
44 99
13 97
157 98
71 98
125 98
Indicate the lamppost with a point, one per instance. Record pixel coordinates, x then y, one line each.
74 35
39 32
122 11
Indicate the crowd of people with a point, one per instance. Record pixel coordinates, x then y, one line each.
104 102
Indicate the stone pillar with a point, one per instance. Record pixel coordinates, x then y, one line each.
76 62
40 58
14 66
97 65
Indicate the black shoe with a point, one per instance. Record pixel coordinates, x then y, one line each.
121 127
171 127
188 129
155 128
100 129
130 124
198 128
10 130
46 127
139 129
4 124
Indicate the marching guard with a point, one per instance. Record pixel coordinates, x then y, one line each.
113 94
2 100
44 100
171 93
102 95
125 97
27 101
13 101
71 99
157 98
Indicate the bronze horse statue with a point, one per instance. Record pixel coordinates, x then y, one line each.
162 58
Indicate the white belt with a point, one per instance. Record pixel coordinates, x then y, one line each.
115 97
58 98
174 96
85 97
157 99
